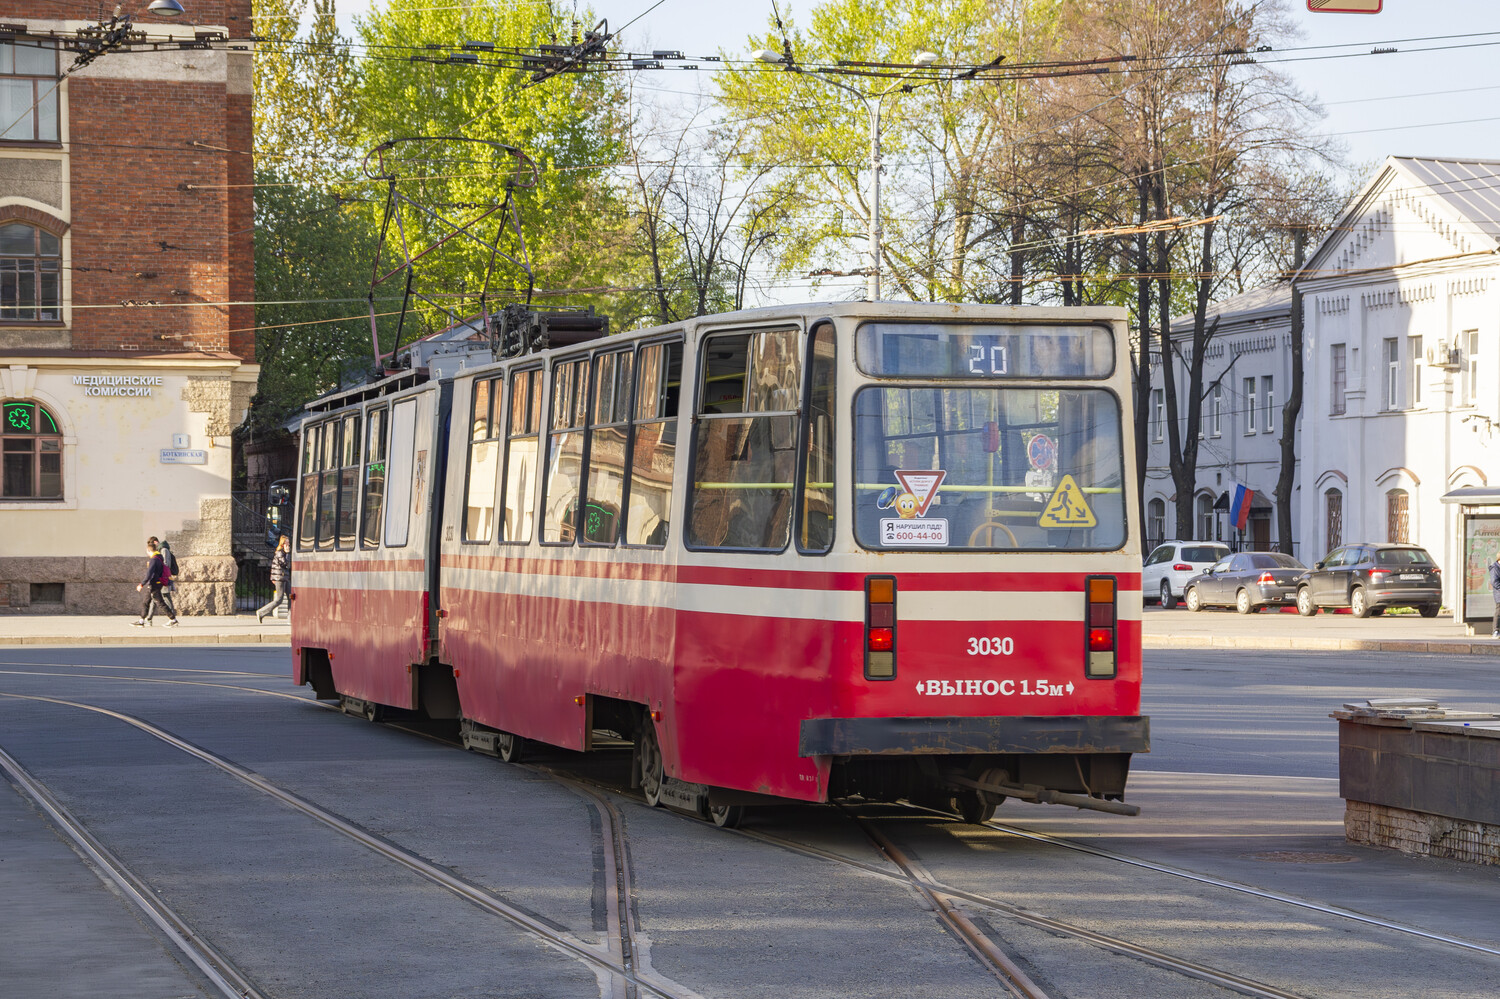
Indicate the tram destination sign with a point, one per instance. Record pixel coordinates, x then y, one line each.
985 351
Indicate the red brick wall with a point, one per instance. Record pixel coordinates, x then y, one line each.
156 218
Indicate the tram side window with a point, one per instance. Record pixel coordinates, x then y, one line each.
609 436
484 452
815 505
745 442
565 452
522 446
328 484
654 453
307 516
348 476
369 535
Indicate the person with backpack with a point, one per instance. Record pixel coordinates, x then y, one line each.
169 580
156 570
1494 574
281 577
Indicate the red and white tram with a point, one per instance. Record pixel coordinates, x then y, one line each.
879 549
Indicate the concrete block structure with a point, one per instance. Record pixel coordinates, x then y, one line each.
127 346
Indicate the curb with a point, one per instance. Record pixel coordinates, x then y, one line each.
1485 648
247 638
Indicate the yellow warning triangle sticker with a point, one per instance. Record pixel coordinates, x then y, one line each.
922 484
1067 507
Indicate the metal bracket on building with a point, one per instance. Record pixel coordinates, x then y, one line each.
409 210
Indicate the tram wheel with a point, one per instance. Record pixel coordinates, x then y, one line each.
727 816
653 768
512 748
972 808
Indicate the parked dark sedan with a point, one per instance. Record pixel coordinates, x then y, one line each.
1247 582
1368 578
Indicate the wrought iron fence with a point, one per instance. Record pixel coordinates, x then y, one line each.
252 585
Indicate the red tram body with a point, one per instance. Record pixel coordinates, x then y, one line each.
875 549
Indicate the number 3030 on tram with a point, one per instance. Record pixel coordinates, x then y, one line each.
886 551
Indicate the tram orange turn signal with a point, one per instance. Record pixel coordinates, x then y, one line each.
1100 625
880 627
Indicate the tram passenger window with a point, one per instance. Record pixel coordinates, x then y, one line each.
307 515
988 468
744 443
328 485
483 470
522 430
565 452
369 535
653 455
815 506
609 434
348 475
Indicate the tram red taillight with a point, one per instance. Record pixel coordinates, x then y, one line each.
1101 625
880 627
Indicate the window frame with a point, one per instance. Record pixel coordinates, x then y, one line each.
1391 354
1417 359
804 438
1338 379
637 421
1158 415
37 438
494 393
39 306
1268 390
579 414
374 414
1247 386
592 422
43 102
537 383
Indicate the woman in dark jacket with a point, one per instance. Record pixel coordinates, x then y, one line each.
281 577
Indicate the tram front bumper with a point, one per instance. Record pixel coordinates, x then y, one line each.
954 736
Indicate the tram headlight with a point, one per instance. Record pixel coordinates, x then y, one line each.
1100 627
880 627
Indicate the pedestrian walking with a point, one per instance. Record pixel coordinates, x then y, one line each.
151 586
281 577
169 581
1494 573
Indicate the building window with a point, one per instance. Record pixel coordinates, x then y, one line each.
1249 405
32 453
1416 371
1156 521
1338 379
1218 410
28 90
1205 530
1392 374
30 274
1333 518
1268 389
1397 516
1470 342
1158 410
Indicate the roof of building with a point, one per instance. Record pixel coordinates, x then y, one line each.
1470 187
1270 301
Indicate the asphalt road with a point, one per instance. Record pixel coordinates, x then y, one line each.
1239 789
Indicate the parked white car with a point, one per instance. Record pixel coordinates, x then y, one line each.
1172 563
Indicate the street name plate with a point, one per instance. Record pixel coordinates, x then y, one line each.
177 456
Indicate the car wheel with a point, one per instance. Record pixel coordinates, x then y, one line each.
1358 604
1191 598
1167 600
1305 605
1429 610
1242 603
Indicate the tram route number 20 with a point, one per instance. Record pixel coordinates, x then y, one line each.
991 646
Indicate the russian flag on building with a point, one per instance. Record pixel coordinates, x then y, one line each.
1239 504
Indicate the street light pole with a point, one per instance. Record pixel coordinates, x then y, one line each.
872 103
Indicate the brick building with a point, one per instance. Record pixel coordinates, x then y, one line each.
126 343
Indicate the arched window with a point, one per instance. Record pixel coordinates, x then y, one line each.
1156 520
32 452
1397 516
30 274
1333 518
1205 530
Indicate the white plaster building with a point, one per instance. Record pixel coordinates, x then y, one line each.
1402 376
1246 372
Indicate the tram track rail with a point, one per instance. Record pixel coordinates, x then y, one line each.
627 957
606 958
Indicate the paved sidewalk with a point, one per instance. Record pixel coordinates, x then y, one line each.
74 629
1225 629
